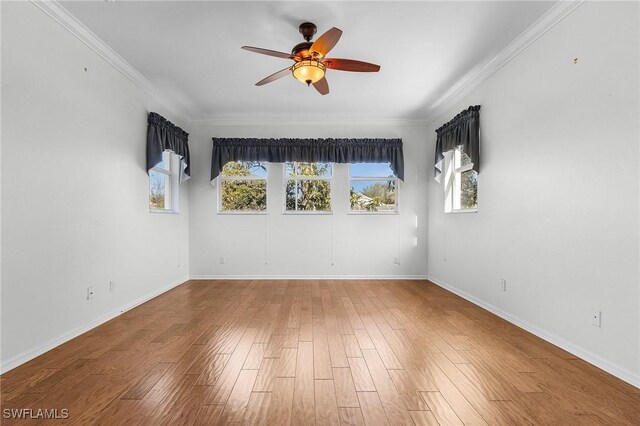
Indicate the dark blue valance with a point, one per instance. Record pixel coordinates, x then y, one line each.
463 130
307 150
163 135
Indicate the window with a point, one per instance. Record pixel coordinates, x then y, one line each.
308 187
164 181
461 183
373 188
243 187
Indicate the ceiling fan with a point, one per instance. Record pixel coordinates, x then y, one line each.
310 62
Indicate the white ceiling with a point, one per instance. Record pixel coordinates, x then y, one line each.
191 51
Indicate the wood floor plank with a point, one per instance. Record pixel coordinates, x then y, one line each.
305 333
372 410
293 320
326 406
121 411
286 364
304 387
209 415
515 413
468 402
386 353
352 314
364 341
236 405
171 403
266 375
424 418
221 390
147 382
361 377
389 396
254 359
305 351
24 382
441 409
344 387
351 346
291 338
186 411
351 417
408 390
321 354
495 388
212 371
274 346
280 408
336 346
163 392
257 409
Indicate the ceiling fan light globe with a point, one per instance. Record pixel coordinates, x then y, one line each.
308 71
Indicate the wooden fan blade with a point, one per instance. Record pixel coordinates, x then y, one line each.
268 52
350 65
274 76
326 41
322 86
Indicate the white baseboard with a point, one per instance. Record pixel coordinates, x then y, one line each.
308 277
591 358
30 354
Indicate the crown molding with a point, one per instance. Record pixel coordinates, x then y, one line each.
70 23
306 121
434 112
548 20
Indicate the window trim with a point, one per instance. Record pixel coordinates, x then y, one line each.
172 184
220 178
395 211
451 177
286 178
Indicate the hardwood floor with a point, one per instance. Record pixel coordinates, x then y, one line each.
323 352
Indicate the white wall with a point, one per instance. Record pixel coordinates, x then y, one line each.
74 189
285 245
558 190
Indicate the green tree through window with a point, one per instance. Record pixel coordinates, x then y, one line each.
243 187
308 186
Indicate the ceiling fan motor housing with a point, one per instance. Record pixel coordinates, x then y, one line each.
301 50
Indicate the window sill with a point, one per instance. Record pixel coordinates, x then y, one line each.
462 211
240 213
382 213
158 211
307 213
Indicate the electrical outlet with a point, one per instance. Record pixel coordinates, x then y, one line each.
90 293
503 285
596 318
112 286
222 261
396 260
